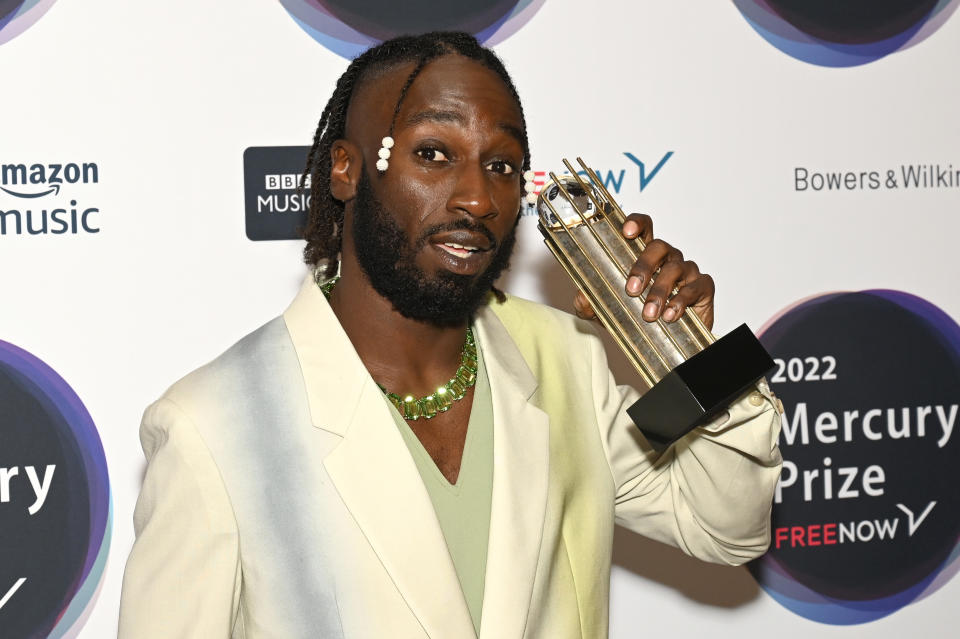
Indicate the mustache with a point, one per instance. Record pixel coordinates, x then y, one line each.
462 224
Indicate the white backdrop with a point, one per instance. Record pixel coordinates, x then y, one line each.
165 97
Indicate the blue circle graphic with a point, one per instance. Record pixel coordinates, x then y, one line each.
16 16
844 33
349 27
56 511
866 515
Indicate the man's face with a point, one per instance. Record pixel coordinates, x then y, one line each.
388 255
435 230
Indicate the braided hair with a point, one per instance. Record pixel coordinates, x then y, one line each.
325 215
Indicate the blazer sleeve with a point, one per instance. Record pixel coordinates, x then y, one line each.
711 493
182 578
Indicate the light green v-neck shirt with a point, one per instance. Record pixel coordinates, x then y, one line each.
463 509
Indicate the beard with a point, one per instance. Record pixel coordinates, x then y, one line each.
388 257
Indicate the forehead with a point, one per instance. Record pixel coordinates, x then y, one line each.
451 84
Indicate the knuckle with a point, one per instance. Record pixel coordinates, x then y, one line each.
659 245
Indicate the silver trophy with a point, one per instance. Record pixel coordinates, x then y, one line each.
690 374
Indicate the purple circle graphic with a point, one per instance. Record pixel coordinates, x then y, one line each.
16 16
55 505
844 33
866 515
349 27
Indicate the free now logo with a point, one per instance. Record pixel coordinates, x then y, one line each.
863 531
617 179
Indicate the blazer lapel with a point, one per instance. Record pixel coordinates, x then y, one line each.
520 480
372 469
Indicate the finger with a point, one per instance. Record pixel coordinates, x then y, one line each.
694 295
694 289
638 225
582 307
650 259
669 276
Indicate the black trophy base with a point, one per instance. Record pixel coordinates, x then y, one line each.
700 388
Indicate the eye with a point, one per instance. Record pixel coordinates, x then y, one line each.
501 166
431 154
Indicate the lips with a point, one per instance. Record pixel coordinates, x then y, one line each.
456 249
462 251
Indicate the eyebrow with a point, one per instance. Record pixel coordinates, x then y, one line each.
455 117
435 115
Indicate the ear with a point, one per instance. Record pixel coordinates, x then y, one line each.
346 162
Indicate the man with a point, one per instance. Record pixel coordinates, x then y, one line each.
323 479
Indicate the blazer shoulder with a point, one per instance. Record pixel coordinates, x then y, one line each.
254 357
533 322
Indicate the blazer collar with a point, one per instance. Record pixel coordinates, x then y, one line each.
380 485
332 371
335 376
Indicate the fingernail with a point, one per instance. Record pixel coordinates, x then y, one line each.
670 314
634 284
630 228
650 309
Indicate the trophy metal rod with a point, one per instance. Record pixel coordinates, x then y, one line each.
701 336
608 312
690 374
699 333
611 256
613 328
583 278
705 333
616 232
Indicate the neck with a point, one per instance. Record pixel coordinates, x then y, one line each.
401 354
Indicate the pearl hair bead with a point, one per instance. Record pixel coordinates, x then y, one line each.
385 145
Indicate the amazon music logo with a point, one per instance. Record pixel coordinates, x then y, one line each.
55 507
866 514
43 199
845 34
16 16
348 27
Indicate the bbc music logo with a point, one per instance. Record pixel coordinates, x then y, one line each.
55 504
866 513
45 198
863 31
275 207
348 27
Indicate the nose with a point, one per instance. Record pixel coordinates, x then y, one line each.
471 192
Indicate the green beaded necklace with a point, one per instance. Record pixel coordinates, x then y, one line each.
428 407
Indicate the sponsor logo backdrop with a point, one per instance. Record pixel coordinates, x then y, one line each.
789 149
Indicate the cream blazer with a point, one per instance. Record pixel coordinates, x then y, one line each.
281 501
